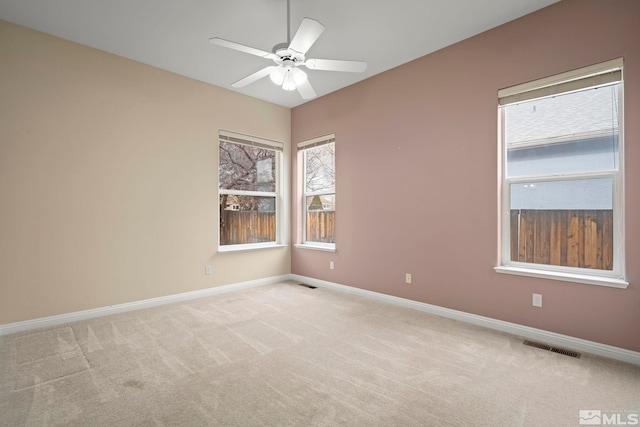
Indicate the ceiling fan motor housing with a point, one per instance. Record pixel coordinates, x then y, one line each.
285 54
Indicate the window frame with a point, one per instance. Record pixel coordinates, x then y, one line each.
603 74
303 148
277 194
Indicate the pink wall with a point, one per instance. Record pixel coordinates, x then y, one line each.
417 173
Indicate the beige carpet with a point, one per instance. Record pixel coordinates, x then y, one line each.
286 355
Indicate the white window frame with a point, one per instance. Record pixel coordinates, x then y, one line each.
583 78
278 148
302 147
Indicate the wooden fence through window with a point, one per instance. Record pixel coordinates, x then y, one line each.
572 238
321 226
241 227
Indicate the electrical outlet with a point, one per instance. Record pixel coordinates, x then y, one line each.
407 278
207 270
537 300
331 265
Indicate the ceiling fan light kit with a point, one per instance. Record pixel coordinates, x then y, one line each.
289 57
288 76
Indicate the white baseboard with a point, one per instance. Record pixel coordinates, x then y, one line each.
547 337
553 338
46 322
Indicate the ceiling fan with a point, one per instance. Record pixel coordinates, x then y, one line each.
289 56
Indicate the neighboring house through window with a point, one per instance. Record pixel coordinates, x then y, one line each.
249 191
318 203
562 178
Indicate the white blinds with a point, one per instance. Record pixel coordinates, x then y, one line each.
582 78
316 142
252 141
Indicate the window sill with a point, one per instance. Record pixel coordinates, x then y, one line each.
316 247
567 277
249 247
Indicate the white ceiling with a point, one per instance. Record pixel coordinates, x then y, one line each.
173 34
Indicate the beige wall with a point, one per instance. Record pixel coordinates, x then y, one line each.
108 179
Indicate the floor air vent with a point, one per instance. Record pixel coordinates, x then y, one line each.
547 347
307 286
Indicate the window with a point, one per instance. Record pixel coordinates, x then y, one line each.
317 158
562 180
249 191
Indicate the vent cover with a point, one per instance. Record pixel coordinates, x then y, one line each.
548 347
307 286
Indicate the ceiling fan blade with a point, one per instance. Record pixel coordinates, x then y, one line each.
306 36
336 65
305 90
242 48
254 77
